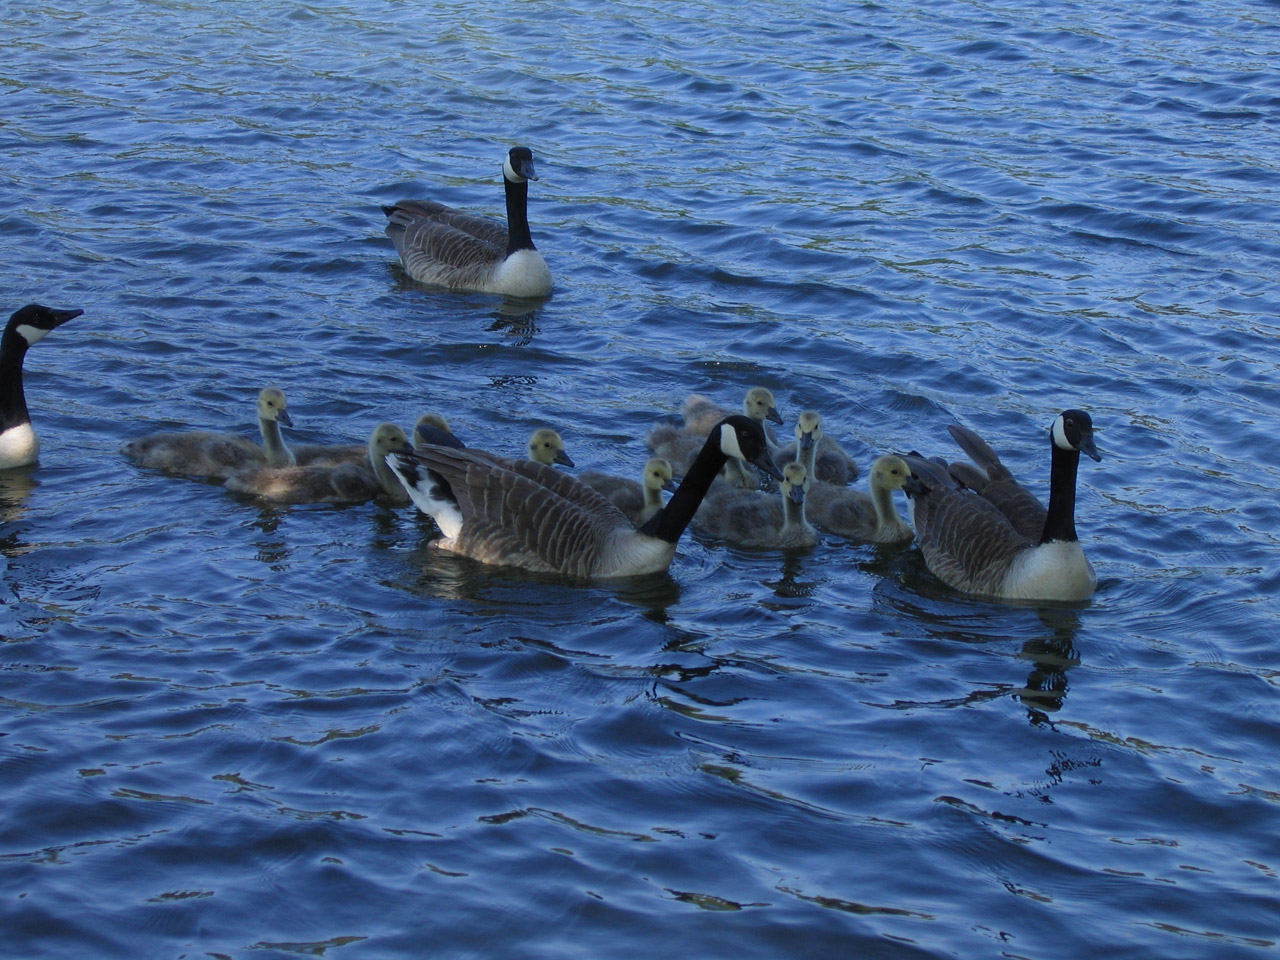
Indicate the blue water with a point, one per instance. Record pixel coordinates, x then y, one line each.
234 730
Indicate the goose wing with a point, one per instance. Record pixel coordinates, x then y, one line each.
427 234
525 513
988 477
966 540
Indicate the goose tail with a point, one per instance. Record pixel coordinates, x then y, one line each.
428 491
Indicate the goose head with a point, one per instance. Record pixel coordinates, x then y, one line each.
808 430
546 446
889 473
794 476
272 407
33 322
743 438
658 474
758 405
385 438
518 167
1072 430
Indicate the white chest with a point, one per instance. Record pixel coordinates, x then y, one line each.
1051 571
523 274
633 556
19 446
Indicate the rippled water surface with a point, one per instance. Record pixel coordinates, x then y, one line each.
233 730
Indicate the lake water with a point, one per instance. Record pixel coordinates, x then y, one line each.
232 730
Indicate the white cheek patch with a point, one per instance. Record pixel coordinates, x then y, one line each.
729 442
509 172
1060 435
31 334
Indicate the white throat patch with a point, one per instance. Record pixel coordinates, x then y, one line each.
509 172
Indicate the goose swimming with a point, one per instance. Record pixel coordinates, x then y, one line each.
824 459
441 245
529 515
638 500
991 547
19 445
350 481
868 517
754 518
204 453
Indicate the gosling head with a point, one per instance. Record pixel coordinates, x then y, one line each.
658 474
889 473
743 438
432 428
385 438
518 167
32 323
758 405
808 429
271 406
546 446
1073 430
794 476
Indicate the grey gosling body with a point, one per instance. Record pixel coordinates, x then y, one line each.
823 458
526 514
334 482
988 548
19 445
441 245
639 500
680 444
204 453
753 518
868 517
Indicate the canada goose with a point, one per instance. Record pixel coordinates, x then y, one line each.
333 482
823 458
441 245
680 444
204 453
526 514
639 501
19 444
971 544
753 518
855 515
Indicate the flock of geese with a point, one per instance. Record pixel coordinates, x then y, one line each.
978 529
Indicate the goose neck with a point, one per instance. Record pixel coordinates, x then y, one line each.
518 235
278 452
13 401
670 522
1060 520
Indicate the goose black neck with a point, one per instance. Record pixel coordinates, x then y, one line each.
13 402
518 236
1060 521
669 522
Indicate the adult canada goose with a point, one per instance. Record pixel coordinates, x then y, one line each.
823 458
638 500
441 245
333 482
680 444
526 514
19 444
855 515
753 518
204 453
973 545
